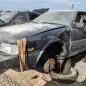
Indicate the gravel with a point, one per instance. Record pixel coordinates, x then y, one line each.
6 81
81 68
27 79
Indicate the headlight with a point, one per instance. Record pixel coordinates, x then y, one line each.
9 49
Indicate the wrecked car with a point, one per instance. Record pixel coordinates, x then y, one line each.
16 17
52 39
40 11
3 12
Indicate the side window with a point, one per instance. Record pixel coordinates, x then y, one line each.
81 18
80 21
21 18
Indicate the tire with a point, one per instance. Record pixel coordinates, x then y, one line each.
66 66
70 77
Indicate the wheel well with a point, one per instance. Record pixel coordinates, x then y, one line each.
50 52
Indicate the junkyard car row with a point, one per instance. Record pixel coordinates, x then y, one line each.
54 35
19 17
16 17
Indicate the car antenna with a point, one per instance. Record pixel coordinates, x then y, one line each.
69 26
72 7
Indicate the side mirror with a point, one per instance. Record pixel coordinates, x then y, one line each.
78 25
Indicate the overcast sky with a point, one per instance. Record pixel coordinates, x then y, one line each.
32 4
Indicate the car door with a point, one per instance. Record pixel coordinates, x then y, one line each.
78 35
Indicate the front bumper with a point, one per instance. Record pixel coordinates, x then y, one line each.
32 58
8 61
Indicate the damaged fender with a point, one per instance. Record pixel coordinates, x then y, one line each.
47 45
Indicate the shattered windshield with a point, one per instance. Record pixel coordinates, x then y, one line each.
57 17
8 16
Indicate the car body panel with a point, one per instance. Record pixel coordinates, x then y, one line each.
11 33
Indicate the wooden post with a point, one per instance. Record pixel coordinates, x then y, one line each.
22 53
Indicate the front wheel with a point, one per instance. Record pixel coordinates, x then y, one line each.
68 73
72 76
49 65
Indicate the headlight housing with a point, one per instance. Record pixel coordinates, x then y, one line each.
9 49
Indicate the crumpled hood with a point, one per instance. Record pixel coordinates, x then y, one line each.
11 33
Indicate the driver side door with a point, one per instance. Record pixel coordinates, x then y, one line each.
78 36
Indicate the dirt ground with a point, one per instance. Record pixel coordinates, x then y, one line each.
29 77
36 78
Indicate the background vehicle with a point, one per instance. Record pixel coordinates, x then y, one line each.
40 11
51 39
16 17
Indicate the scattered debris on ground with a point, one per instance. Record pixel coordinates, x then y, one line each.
34 78
29 77
6 81
81 68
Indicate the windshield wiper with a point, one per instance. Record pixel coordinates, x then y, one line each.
49 22
53 23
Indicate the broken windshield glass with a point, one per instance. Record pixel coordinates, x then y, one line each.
59 17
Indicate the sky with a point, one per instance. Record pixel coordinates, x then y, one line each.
35 4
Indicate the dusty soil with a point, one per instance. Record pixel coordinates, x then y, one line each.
34 78
29 77
6 81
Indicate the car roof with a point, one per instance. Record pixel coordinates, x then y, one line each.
65 11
